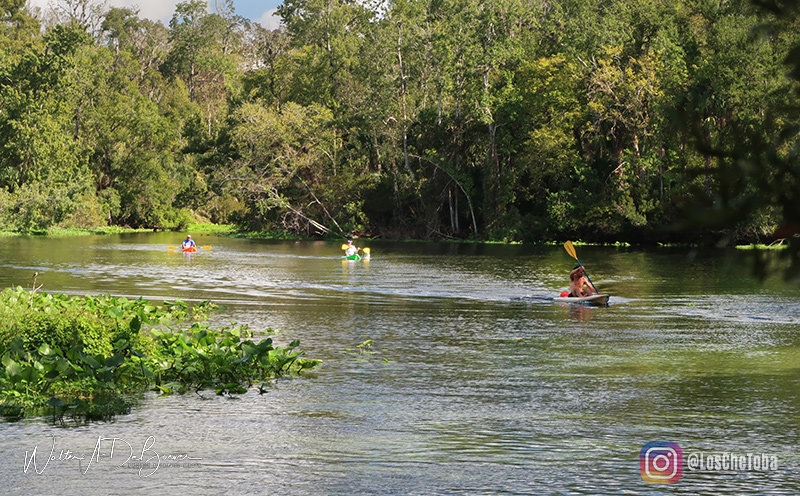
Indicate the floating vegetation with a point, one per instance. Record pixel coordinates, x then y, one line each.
364 352
82 357
772 246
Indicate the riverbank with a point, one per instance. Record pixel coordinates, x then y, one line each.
232 231
65 232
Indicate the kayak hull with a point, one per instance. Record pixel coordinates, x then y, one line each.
189 250
601 299
352 257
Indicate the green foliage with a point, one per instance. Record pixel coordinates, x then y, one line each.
93 322
80 356
200 358
506 120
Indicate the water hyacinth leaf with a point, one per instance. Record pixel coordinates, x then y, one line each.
90 361
74 353
148 373
29 374
46 350
13 370
17 347
114 361
116 312
61 364
265 345
244 359
52 374
307 364
56 402
165 390
237 389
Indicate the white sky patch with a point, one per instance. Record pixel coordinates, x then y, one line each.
155 10
268 20
162 10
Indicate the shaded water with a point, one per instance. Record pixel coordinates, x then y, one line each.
476 382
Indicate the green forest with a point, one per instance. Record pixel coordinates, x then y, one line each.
509 120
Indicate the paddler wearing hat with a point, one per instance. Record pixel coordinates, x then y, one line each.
188 242
351 249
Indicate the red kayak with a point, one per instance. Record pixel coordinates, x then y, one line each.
190 249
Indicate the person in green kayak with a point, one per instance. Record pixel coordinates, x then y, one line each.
577 280
351 249
188 242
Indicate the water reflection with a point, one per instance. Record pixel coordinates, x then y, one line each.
578 311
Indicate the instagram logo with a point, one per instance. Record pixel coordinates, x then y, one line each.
661 463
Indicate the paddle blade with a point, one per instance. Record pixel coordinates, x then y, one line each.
570 249
366 250
344 247
206 247
172 247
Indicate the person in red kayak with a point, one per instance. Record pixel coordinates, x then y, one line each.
188 242
577 280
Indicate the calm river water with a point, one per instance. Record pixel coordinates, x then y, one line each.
476 381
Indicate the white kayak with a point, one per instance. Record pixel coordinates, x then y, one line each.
599 299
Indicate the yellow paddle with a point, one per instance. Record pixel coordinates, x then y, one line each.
571 250
175 247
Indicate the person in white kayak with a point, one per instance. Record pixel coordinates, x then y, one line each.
577 280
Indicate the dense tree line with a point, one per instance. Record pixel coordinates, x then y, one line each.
485 119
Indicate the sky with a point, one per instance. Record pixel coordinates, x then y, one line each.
259 11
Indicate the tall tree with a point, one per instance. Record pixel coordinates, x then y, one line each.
16 22
43 170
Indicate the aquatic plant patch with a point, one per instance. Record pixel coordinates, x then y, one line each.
83 356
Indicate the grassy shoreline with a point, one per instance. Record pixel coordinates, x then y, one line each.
230 230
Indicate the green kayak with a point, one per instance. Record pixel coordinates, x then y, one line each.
352 257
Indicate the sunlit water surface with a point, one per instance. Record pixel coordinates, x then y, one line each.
476 381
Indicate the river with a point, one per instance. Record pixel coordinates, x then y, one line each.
475 381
